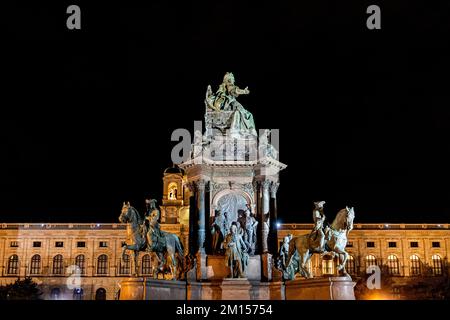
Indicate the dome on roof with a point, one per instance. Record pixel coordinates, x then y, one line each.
174 169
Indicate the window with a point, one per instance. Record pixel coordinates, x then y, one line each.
392 244
415 264
437 265
370 244
35 266
172 191
36 244
14 244
59 244
13 264
371 260
349 244
146 264
58 267
100 294
125 265
103 244
79 262
55 293
78 294
414 244
396 293
81 244
102 264
350 265
436 244
393 267
327 265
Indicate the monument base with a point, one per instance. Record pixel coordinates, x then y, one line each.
235 289
151 289
324 288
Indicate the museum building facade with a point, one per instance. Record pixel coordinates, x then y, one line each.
83 260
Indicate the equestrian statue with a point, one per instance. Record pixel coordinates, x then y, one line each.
324 239
145 235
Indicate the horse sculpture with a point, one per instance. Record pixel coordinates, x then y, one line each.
166 246
303 247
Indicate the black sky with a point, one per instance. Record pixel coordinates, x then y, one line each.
364 116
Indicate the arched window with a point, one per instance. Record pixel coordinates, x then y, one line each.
102 264
80 263
100 294
437 265
172 191
327 265
146 264
58 267
125 265
393 267
13 264
35 266
415 264
78 294
350 265
371 260
55 293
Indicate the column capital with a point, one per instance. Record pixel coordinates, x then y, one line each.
201 185
266 184
273 189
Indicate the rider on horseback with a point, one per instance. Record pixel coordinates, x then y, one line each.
319 231
152 216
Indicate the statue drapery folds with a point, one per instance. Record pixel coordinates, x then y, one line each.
225 100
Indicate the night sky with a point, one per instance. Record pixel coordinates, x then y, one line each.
364 115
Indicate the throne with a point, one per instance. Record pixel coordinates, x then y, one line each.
217 122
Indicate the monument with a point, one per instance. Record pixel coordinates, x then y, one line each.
227 247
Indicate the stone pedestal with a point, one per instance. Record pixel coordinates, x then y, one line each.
132 289
323 288
266 266
216 269
267 291
235 289
150 289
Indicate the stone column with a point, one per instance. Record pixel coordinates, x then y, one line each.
201 215
259 215
265 215
201 270
192 218
273 231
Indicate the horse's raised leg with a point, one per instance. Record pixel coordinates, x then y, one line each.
342 256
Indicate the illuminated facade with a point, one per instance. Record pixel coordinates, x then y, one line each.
49 252
57 255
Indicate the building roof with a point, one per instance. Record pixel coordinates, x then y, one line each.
174 169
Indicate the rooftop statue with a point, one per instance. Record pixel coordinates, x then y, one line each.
224 100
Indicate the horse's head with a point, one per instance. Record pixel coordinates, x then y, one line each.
125 213
349 219
344 219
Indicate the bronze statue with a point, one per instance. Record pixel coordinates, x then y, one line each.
146 235
302 248
218 230
225 100
248 224
235 256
